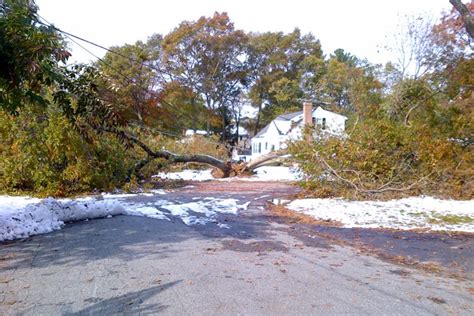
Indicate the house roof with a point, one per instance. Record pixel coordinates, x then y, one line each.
263 130
283 117
289 116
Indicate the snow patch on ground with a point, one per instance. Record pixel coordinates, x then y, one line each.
210 207
266 173
21 216
272 173
278 173
187 175
410 213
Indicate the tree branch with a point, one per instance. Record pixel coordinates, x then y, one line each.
225 167
383 188
467 16
264 159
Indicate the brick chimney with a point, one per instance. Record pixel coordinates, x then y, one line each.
307 113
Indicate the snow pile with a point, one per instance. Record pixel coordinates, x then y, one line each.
409 213
21 217
187 175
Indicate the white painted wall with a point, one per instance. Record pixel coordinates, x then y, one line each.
271 140
335 123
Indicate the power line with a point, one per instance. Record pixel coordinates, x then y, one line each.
49 24
128 79
69 35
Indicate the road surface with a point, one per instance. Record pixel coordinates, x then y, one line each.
262 265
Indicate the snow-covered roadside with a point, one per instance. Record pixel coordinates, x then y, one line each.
266 173
22 216
409 213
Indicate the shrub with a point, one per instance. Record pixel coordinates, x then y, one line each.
41 152
385 158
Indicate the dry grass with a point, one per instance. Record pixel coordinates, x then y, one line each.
299 218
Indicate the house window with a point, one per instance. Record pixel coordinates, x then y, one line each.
324 123
259 148
266 145
314 121
273 147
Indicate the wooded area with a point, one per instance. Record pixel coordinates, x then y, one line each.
75 128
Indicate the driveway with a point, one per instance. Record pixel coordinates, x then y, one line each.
259 263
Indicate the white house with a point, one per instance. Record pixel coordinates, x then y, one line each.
290 127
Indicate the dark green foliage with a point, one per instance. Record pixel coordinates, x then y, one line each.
29 56
41 153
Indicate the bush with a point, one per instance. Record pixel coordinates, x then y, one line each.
41 152
383 157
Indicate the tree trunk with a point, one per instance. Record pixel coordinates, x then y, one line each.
225 167
223 137
467 16
257 123
264 159
195 112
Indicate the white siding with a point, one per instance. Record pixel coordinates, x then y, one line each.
334 123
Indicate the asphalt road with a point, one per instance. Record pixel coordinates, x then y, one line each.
261 265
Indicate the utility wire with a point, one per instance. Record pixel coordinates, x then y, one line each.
69 35
128 79
49 24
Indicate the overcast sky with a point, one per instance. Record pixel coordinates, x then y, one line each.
360 27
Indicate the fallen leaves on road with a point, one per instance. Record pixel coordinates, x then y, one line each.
437 300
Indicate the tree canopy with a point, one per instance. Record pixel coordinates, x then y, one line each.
408 124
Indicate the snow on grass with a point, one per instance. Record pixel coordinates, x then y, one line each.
409 213
187 175
21 216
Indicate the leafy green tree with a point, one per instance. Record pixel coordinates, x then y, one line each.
129 82
283 67
30 54
32 58
208 56
180 108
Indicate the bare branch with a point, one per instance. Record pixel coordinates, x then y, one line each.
384 188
